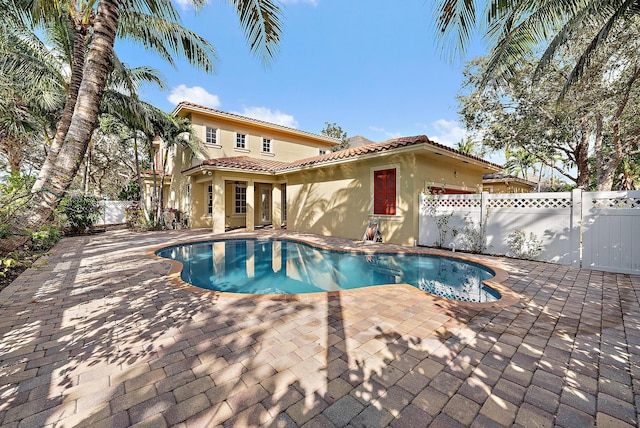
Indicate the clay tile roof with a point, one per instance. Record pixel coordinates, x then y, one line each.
358 151
269 166
204 109
378 147
245 163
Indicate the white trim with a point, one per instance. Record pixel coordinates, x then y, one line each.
245 141
209 198
262 150
431 185
237 186
384 217
217 136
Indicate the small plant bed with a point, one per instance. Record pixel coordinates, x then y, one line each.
13 264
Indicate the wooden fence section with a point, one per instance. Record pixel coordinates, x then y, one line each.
599 230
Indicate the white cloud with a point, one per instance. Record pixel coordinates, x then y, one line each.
268 115
448 132
184 4
194 94
387 134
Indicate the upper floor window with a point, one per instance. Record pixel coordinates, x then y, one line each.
212 136
384 192
266 145
240 141
322 151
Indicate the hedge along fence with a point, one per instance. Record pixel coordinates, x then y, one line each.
598 230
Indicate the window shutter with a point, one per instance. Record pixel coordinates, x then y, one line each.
384 192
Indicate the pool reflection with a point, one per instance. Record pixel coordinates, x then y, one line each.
276 267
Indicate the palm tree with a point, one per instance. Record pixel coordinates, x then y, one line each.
32 90
172 131
519 27
153 23
468 147
519 162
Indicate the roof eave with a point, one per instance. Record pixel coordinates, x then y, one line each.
194 170
330 141
351 159
464 158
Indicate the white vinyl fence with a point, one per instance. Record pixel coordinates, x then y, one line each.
598 230
112 212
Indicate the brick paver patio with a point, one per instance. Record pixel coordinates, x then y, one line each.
96 335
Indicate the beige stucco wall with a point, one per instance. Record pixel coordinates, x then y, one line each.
437 171
512 187
178 197
338 200
253 182
285 147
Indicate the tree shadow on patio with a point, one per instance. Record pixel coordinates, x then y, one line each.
114 344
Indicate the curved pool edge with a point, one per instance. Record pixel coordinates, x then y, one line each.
507 296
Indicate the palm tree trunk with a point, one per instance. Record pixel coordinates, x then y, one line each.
83 121
163 174
87 173
77 70
582 157
14 156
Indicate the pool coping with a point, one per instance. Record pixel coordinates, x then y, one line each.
508 296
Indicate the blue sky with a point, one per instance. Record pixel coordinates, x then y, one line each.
373 67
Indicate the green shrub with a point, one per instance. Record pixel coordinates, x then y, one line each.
45 237
131 192
6 263
522 246
15 195
133 215
82 212
5 230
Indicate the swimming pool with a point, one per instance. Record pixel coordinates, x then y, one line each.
271 266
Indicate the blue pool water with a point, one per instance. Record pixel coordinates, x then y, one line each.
261 266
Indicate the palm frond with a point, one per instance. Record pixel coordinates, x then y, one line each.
167 38
529 26
585 59
262 26
455 20
128 80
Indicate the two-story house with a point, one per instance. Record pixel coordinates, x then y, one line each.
250 173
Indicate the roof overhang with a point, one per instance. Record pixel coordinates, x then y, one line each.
185 107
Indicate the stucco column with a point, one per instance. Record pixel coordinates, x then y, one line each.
276 205
217 216
251 199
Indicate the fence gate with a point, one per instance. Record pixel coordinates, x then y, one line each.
611 231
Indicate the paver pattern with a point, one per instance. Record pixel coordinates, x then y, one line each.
96 335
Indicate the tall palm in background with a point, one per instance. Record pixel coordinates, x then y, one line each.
96 23
518 27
